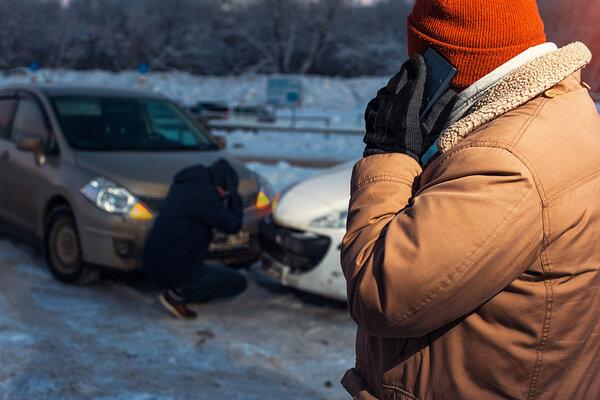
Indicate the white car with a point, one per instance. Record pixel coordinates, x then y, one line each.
301 240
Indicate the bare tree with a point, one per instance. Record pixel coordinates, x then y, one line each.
323 29
284 24
205 36
299 31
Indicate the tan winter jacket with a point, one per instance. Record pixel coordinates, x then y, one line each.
478 278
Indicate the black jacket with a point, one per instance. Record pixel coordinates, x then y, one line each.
182 232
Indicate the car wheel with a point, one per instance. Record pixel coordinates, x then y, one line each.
241 265
63 248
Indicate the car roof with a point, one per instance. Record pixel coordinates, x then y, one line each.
72 90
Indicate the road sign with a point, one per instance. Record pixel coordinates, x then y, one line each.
143 68
284 92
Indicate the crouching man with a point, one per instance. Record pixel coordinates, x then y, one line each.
477 276
200 200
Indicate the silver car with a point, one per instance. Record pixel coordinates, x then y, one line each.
85 170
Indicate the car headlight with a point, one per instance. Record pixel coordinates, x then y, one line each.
114 199
334 220
275 201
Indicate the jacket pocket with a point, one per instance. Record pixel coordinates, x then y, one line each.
355 384
362 384
388 392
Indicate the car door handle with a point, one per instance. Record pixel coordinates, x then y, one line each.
4 156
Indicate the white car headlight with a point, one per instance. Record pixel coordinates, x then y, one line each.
334 220
115 199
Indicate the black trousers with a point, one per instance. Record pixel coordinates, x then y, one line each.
212 281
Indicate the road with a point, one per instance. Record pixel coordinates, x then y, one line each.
112 340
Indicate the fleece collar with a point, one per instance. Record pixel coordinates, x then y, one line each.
470 96
517 88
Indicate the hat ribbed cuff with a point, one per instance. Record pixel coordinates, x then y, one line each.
471 63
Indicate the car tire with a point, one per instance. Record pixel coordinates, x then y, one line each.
241 265
63 247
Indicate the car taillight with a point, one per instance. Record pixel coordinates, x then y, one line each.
262 200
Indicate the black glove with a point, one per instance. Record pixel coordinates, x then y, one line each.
393 124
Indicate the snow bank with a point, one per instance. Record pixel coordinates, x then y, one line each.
282 174
295 146
320 93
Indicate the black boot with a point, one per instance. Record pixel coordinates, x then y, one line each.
174 303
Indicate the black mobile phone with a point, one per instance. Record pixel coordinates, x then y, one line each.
439 78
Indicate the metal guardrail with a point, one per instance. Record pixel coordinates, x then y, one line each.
257 127
295 118
296 162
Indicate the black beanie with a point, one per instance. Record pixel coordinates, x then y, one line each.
221 172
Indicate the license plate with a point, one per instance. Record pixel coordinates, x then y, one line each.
223 242
274 270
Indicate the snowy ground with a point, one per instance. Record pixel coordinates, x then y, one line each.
112 340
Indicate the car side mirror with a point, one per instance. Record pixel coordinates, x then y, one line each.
219 141
34 144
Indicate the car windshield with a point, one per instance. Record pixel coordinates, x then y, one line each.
136 124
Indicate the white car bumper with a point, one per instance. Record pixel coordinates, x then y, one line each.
285 258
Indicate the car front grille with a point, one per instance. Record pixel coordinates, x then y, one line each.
301 251
155 204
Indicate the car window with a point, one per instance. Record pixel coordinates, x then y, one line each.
6 107
134 124
168 124
29 119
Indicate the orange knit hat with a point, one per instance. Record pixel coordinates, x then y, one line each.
476 36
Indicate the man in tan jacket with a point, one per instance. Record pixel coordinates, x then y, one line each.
477 275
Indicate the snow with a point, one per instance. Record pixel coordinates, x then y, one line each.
319 93
112 340
282 175
295 146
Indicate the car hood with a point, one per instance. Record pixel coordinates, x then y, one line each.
319 195
149 174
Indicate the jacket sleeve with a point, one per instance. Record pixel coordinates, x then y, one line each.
212 211
415 262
